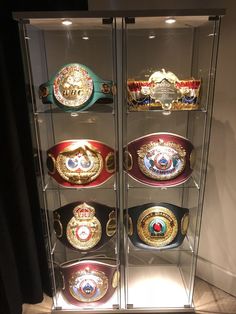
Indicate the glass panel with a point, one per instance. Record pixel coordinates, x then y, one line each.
72 74
168 79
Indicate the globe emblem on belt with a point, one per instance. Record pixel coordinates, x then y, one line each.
88 287
78 162
162 161
85 163
72 163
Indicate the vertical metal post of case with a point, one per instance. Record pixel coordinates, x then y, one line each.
33 117
206 138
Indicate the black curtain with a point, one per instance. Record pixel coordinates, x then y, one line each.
24 274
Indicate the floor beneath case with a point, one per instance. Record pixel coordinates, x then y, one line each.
207 299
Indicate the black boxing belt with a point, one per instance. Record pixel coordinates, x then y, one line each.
89 282
81 163
157 225
84 226
75 88
160 159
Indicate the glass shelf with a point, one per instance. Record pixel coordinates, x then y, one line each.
168 290
95 109
53 186
61 253
62 305
185 246
165 112
189 184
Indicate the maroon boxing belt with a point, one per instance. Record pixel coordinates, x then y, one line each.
81 163
89 282
160 159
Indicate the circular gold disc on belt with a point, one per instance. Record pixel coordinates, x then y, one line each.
84 234
88 286
79 166
84 230
157 226
73 86
161 160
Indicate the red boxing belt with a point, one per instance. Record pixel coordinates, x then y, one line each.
89 282
80 163
160 159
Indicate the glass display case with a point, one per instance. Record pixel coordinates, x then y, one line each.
169 69
120 110
72 75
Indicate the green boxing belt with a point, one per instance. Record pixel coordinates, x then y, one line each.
75 88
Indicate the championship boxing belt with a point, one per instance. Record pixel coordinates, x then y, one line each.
80 163
157 225
89 282
160 159
164 91
84 226
74 88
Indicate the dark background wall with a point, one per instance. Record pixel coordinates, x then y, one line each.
23 262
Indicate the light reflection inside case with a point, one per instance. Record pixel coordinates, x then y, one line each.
74 114
60 301
170 21
156 286
66 22
85 37
151 36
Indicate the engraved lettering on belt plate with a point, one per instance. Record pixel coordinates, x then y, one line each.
163 88
164 92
